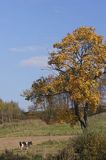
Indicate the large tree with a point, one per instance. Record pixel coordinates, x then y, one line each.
78 60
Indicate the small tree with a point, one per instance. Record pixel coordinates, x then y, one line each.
78 59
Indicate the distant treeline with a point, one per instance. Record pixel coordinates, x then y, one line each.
9 111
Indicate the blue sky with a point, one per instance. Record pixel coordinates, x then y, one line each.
28 29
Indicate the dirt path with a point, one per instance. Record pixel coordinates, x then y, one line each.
13 142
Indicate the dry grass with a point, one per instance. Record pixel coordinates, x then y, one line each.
13 142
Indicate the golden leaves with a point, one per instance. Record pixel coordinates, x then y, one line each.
78 59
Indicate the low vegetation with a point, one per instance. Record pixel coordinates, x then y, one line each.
92 143
89 146
36 151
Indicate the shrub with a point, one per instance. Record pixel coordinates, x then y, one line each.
58 114
89 146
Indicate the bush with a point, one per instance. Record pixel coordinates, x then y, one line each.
89 146
58 114
66 154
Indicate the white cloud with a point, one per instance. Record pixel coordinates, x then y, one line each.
31 48
36 61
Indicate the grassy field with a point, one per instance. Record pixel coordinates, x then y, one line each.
35 152
47 138
39 128
36 128
45 148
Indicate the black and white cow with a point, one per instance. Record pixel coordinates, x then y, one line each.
25 145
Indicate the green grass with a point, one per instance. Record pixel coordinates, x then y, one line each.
36 128
39 128
97 123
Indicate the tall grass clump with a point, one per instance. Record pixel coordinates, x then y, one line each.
10 155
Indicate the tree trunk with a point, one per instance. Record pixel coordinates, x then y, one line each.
85 117
77 113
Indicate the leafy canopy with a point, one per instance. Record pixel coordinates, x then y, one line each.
78 60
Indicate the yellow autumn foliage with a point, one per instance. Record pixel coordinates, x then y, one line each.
79 59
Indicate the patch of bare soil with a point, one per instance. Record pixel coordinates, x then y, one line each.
13 142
